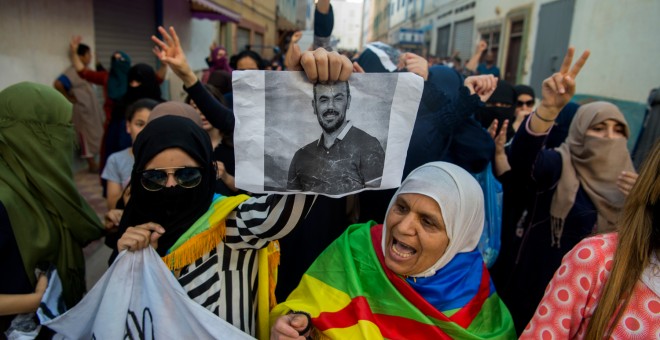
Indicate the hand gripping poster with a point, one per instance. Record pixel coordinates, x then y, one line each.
333 139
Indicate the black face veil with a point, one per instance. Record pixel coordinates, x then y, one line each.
175 208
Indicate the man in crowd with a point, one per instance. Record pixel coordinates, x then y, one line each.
345 158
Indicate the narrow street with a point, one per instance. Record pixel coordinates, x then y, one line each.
96 253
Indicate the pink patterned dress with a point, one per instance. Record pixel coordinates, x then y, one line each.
571 297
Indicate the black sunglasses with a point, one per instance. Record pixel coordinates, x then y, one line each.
528 103
185 177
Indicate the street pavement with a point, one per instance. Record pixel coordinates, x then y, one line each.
96 253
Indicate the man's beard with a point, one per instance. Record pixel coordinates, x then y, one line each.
333 126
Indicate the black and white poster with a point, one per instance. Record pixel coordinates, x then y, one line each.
331 139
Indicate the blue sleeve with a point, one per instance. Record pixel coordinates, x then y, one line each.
65 82
220 116
111 171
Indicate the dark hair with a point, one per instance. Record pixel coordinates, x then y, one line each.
348 89
144 103
221 79
227 138
82 49
233 61
214 91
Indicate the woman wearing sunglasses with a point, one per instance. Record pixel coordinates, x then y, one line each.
209 244
525 102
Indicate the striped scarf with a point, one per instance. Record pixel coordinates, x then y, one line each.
351 294
205 235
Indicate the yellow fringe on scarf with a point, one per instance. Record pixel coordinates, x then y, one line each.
269 260
196 247
204 235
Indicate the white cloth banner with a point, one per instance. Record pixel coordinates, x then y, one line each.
139 298
332 139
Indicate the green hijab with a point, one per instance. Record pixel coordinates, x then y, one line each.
51 221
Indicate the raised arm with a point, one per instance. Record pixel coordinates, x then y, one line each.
557 91
73 53
527 155
474 60
170 53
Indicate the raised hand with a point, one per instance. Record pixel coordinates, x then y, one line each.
75 41
416 64
293 53
483 85
559 88
170 53
498 135
482 46
500 161
325 67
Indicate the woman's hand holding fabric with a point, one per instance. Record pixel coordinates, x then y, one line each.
170 52
288 327
140 237
557 91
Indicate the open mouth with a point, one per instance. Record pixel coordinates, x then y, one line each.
401 249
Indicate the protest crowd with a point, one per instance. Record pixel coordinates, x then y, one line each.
518 214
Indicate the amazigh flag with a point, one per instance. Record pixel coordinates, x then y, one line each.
351 294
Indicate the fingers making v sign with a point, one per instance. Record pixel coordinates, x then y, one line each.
557 91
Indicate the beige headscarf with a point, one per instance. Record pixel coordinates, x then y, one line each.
595 163
175 109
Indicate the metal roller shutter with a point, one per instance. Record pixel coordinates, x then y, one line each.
242 38
463 38
125 25
442 47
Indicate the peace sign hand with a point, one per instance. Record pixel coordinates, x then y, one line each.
558 89
169 51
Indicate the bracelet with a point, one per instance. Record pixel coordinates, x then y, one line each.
536 113
309 321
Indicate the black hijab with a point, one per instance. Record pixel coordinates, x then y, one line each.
524 89
504 94
148 88
175 208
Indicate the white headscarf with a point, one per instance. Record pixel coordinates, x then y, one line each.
461 202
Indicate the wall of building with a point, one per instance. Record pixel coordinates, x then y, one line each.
255 15
34 45
287 9
624 47
348 23
196 36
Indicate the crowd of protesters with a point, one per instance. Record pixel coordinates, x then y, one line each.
578 234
